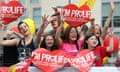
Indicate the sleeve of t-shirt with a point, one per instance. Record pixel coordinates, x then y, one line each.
103 51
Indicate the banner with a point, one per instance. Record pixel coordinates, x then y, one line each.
76 16
10 11
4 69
21 66
89 3
48 61
53 61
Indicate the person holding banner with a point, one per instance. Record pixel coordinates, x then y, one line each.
71 43
91 42
25 45
95 28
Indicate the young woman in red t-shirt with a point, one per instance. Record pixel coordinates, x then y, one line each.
90 42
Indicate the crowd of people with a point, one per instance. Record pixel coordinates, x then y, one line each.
70 39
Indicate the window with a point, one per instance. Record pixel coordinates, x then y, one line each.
117 34
103 21
116 21
34 1
37 15
24 15
22 1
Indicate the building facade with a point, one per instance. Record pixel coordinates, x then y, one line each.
115 22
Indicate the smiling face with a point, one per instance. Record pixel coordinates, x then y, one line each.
70 34
24 29
73 34
49 41
92 42
97 30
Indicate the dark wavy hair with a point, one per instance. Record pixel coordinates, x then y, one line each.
87 36
20 24
43 44
84 28
67 33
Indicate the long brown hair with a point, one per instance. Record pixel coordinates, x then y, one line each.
87 36
99 28
43 44
67 33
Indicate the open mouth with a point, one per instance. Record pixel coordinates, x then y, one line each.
24 31
54 25
50 43
98 33
94 42
73 36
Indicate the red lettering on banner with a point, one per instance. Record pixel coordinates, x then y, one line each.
76 16
10 11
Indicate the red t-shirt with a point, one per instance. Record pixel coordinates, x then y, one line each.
100 52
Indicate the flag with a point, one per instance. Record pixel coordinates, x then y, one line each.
90 3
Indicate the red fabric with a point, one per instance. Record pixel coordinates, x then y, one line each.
100 52
23 65
14 10
76 19
4 69
115 43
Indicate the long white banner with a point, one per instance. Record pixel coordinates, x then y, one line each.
70 69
